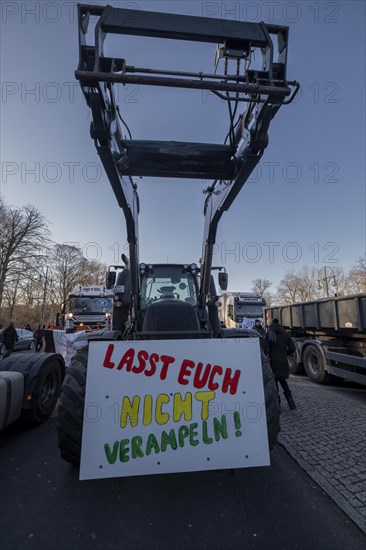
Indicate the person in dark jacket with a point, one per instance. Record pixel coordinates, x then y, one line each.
278 345
259 328
10 337
38 336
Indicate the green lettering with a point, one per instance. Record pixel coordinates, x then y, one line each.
136 443
205 438
220 428
123 450
168 439
183 432
152 444
193 434
111 455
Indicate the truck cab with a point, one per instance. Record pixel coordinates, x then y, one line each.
240 309
87 307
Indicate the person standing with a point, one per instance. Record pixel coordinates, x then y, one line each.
278 345
259 328
10 337
38 336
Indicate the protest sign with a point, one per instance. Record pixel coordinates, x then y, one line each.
173 406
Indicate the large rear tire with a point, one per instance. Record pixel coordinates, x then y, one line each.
314 365
46 393
71 408
273 410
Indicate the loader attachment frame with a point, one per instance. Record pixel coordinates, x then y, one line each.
229 165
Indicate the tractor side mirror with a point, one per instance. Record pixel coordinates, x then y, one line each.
223 280
110 279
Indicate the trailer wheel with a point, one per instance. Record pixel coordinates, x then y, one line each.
71 408
272 402
294 366
45 394
314 365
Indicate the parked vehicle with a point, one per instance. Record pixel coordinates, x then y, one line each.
330 337
25 341
240 309
87 307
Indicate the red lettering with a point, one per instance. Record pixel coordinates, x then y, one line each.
231 382
153 358
127 360
201 382
167 360
107 363
142 357
186 364
211 384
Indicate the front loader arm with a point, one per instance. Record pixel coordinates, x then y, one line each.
229 165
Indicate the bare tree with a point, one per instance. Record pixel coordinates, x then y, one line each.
67 262
356 278
92 272
336 284
70 269
24 241
11 296
288 289
308 284
298 287
260 287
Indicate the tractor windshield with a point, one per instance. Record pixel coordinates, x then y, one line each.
168 281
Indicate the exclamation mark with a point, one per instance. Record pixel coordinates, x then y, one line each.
237 423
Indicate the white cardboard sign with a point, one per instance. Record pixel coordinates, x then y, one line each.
168 406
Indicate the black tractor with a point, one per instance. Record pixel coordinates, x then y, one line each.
177 301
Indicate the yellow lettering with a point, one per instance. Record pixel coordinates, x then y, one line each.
161 418
182 406
205 397
147 419
130 410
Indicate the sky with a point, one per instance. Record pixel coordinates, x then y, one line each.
304 204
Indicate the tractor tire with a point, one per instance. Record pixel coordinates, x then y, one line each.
294 366
273 410
314 365
71 408
45 395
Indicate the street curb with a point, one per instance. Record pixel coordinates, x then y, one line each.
341 502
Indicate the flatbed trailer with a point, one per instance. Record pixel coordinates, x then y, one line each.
329 334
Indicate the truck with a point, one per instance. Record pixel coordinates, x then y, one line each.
87 307
240 309
173 302
329 335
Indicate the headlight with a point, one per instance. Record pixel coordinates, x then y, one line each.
70 315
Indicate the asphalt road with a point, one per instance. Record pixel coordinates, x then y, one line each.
44 506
